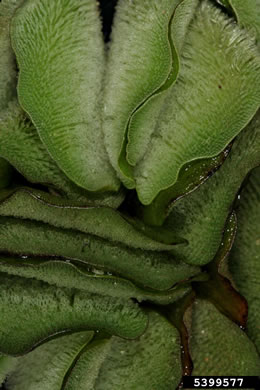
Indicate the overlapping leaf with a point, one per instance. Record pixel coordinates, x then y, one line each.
60 84
103 222
32 311
200 217
220 68
136 75
46 367
152 361
93 280
141 124
77 362
147 268
19 141
22 147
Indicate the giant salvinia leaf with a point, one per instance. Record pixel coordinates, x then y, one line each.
218 346
32 311
132 76
148 268
60 53
96 281
191 176
152 361
215 96
22 147
200 217
100 221
143 120
244 262
46 367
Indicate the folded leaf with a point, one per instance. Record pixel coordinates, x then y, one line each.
191 176
152 361
95 281
201 216
64 102
32 312
140 61
144 120
244 262
22 147
100 221
147 268
220 68
218 346
46 366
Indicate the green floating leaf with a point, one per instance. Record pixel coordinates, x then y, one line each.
64 102
144 120
100 221
201 216
134 75
95 281
220 68
19 142
22 147
7 365
218 346
153 361
191 176
46 366
244 262
158 233
33 311
147 268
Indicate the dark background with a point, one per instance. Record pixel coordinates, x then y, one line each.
107 8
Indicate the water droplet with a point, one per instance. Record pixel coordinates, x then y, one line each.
98 271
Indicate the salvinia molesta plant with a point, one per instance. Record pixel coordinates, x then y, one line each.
129 193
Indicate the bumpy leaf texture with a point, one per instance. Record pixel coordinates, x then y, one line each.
129 193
